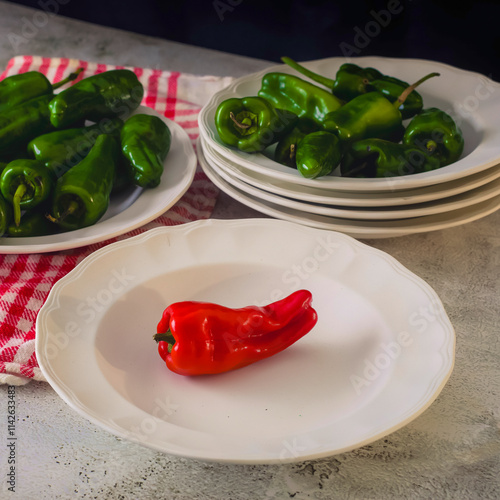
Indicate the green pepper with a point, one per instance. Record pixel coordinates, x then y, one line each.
286 149
62 149
17 89
291 93
318 154
33 223
145 143
392 88
81 195
251 124
381 158
350 80
370 115
20 124
436 133
124 178
5 208
105 95
26 184
5 215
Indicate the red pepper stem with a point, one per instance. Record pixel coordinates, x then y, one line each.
16 202
69 78
408 90
323 80
164 337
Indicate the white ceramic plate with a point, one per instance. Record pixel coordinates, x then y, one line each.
471 197
470 98
352 198
128 210
352 227
381 352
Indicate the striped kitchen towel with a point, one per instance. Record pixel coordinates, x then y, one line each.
26 279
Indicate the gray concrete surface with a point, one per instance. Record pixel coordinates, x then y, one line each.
452 451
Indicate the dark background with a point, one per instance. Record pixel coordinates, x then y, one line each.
463 33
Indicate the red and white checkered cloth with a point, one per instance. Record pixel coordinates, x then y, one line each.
25 280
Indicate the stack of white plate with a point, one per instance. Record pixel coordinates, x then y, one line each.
372 208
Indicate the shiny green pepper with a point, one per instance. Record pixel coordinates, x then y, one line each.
436 133
381 158
17 89
20 124
306 100
145 143
350 80
318 154
286 149
62 149
251 124
81 195
26 184
5 215
370 115
33 223
392 88
105 95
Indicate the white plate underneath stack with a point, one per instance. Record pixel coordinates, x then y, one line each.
372 208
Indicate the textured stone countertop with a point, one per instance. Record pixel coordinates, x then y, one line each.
451 451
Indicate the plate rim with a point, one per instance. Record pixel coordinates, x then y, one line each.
351 198
355 231
446 349
444 205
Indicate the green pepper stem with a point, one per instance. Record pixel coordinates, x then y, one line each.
431 146
408 90
72 208
323 80
69 78
16 202
237 123
165 337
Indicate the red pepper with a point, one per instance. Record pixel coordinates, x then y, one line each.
199 338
